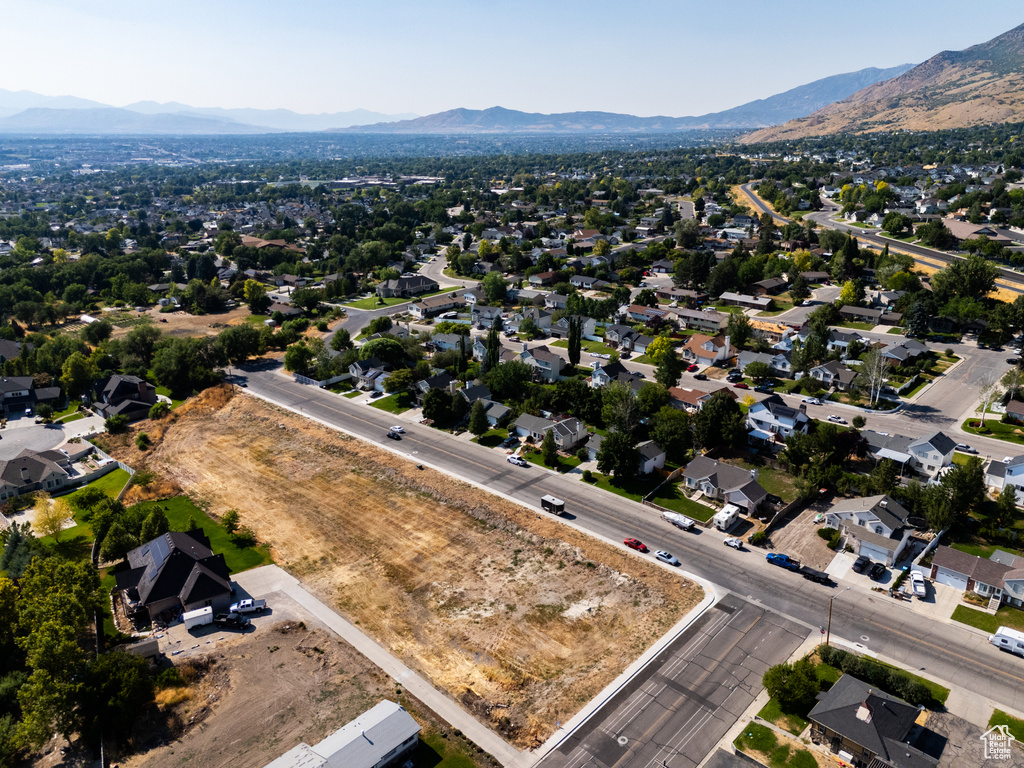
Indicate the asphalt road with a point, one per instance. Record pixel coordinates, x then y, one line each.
947 652
677 709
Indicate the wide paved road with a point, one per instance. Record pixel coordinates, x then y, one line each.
944 651
679 706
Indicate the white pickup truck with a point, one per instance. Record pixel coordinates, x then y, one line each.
249 606
917 582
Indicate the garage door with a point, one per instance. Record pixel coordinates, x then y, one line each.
878 554
950 579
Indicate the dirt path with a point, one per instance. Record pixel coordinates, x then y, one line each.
521 619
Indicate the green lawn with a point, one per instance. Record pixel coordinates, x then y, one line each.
939 693
400 402
564 464
729 308
856 325
982 550
492 438
776 481
353 393
586 345
761 739
669 495
773 714
111 484
72 417
374 302
1016 724
1005 617
257 319
180 509
641 360
72 408
167 393
1010 433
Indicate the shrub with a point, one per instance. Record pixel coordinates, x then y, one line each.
246 536
142 441
588 476
758 539
859 422
116 424
159 410
230 520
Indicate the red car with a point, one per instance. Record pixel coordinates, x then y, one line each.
693 368
740 385
636 544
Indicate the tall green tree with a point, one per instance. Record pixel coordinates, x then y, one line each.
619 455
575 339
548 449
478 418
720 423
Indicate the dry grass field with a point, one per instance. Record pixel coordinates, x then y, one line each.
519 617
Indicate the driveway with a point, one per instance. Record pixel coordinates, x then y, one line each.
24 434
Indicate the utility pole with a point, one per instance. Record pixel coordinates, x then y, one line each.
828 632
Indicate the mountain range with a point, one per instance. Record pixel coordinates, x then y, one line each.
24 112
981 85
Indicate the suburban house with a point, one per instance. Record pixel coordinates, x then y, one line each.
126 395
540 317
174 572
485 316
864 727
612 372
406 286
875 526
771 420
1000 577
381 737
437 381
724 482
20 392
447 341
546 364
746 301
773 332
585 283
925 455
643 314
706 321
31 471
904 351
872 316
365 373
840 340
568 432
434 305
771 286
693 399
626 339
705 350
680 295
542 278
652 456
555 301
778 363
588 326
834 374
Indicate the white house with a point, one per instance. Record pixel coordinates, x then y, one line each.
652 456
705 350
772 420
724 482
875 526
926 455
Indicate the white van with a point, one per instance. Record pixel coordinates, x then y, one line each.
1008 639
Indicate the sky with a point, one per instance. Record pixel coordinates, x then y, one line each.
642 57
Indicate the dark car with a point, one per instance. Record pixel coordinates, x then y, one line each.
231 620
877 571
394 436
700 377
764 388
1012 361
861 563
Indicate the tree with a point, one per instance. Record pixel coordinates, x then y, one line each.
973 277
51 516
884 477
116 424
230 521
478 418
298 357
307 298
528 328
400 380
442 406
154 525
851 293
389 351
738 330
509 381
619 455
720 422
794 686
240 342
98 332
873 374
759 371
494 287
256 297
116 691
799 289
117 543
964 485
575 339
341 340
915 319
1006 513
380 324
652 397
77 374
620 410
548 449
492 358
987 394
646 298
670 429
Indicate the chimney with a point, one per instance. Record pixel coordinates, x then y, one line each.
864 712
524 346
453 387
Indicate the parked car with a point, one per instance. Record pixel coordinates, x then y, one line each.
393 436
399 430
740 385
811 401
768 388
666 557
508 442
693 368
733 542
375 394
877 571
231 621
636 544
836 419
783 561
249 605
519 461
1012 361
917 582
700 377
964 448
861 563
806 303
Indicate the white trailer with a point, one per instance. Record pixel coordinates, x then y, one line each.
1007 639
679 521
197 618
727 518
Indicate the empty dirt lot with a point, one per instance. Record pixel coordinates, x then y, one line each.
520 618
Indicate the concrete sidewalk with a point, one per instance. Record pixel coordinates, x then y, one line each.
262 581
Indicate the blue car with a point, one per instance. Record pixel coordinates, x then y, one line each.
783 561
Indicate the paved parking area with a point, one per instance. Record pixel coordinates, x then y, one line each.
23 433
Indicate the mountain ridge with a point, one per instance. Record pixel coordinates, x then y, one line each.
980 85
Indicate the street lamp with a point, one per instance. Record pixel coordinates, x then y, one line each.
828 633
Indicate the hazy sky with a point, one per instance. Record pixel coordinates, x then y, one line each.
645 57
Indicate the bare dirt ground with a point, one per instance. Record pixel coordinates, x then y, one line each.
800 540
181 323
520 618
263 694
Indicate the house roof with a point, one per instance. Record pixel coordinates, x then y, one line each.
882 733
177 564
1015 407
15 383
533 424
569 427
940 441
476 392
650 450
777 407
978 568
29 467
724 476
888 511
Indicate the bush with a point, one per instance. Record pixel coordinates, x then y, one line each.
831 536
758 539
142 441
116 424
892 681
246 537
859 422
159 410
588 476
